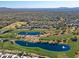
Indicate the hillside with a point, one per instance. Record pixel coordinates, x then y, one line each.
61 9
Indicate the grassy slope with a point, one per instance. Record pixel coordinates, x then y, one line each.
53 54
28 49
70 53
58 37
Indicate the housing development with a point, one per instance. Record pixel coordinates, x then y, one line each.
39 32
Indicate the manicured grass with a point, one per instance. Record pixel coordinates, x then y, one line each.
52 54
74 47
28 49
71 53
8 35
58 37
13 33
26 30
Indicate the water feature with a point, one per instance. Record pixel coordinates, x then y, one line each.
29 33
47 46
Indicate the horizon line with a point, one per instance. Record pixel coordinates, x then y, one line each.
36 8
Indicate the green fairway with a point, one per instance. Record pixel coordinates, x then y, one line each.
36 50
58 37
71 53
54 54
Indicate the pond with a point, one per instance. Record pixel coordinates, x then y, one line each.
47 46
29 33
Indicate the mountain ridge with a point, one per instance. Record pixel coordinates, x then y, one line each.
60 9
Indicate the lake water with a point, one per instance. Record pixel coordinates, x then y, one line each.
29 33
47 46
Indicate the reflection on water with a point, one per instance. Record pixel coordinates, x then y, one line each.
47 46
29 33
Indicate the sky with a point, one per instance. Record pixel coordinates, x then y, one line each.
38 4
